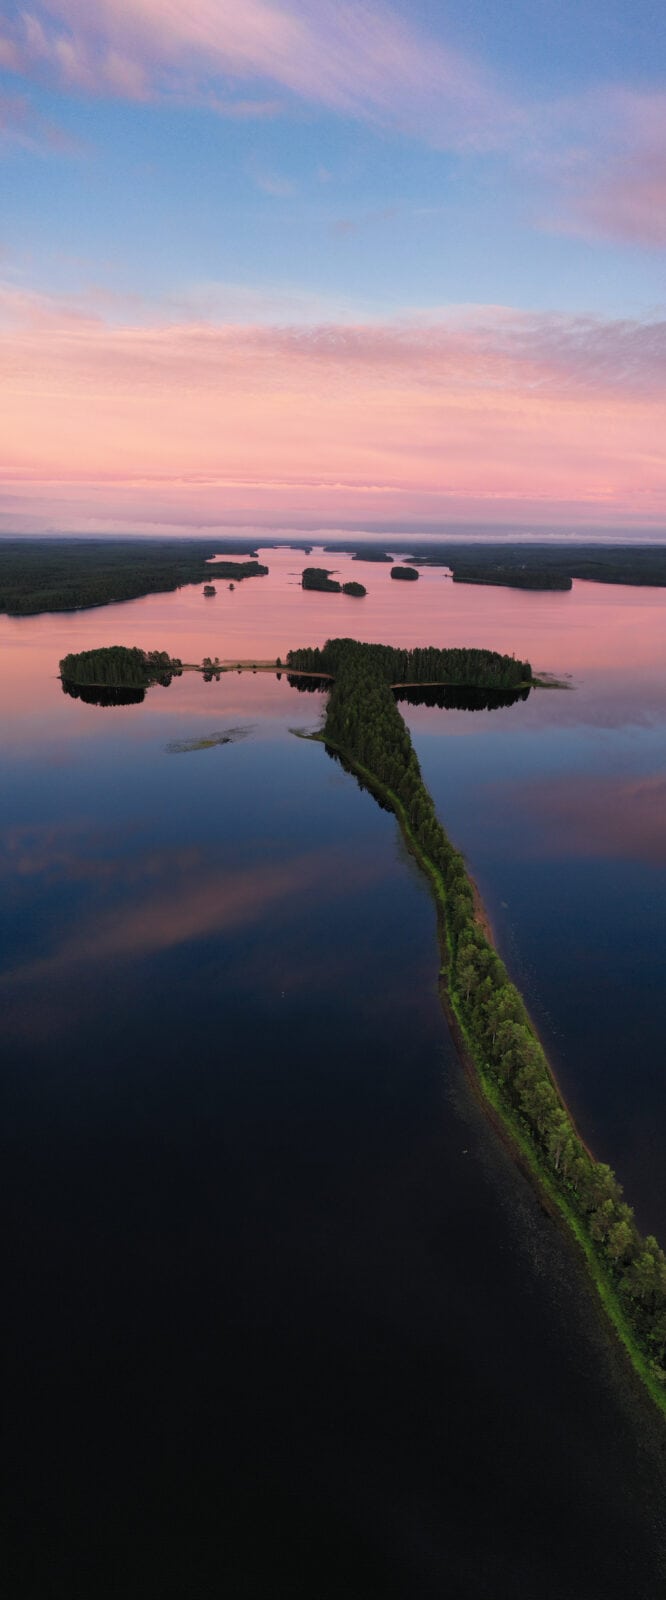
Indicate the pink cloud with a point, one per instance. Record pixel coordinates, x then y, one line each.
591 164
604 158
176 422
360 60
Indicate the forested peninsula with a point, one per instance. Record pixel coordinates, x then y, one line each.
39 575
488 1016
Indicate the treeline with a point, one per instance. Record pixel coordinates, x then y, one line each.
72 574
120 666
468 668
511 577
518 564
364 723
367 553
237 570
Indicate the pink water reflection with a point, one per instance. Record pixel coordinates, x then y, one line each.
594 630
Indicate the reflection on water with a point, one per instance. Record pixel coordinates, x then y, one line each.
427 694
308 683
452 699
284 1317
103 695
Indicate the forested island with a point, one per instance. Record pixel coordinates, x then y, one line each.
320 578
39 575
120 666
406 574
489 1020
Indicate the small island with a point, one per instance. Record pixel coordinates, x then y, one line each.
119 666
319 578
209 589
407 574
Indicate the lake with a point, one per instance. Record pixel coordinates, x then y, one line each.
283 1317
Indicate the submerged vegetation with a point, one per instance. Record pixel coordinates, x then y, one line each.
207 741
364 727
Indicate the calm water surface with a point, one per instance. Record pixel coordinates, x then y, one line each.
283 1318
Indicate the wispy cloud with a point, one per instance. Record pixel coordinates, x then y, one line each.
343 227
272 183
591 164
602 165
358 59
22 127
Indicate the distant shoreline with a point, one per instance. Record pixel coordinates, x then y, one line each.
61 574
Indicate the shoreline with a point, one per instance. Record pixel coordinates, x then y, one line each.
501 1116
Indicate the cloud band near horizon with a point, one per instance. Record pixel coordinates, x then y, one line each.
488 413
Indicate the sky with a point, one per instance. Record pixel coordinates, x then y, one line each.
328 264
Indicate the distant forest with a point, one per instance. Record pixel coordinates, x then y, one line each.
550 565
73 574
69 574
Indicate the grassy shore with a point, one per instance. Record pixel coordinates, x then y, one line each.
503 1115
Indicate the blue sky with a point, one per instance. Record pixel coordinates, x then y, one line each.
316 164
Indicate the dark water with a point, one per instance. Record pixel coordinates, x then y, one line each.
282 1317
560 807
